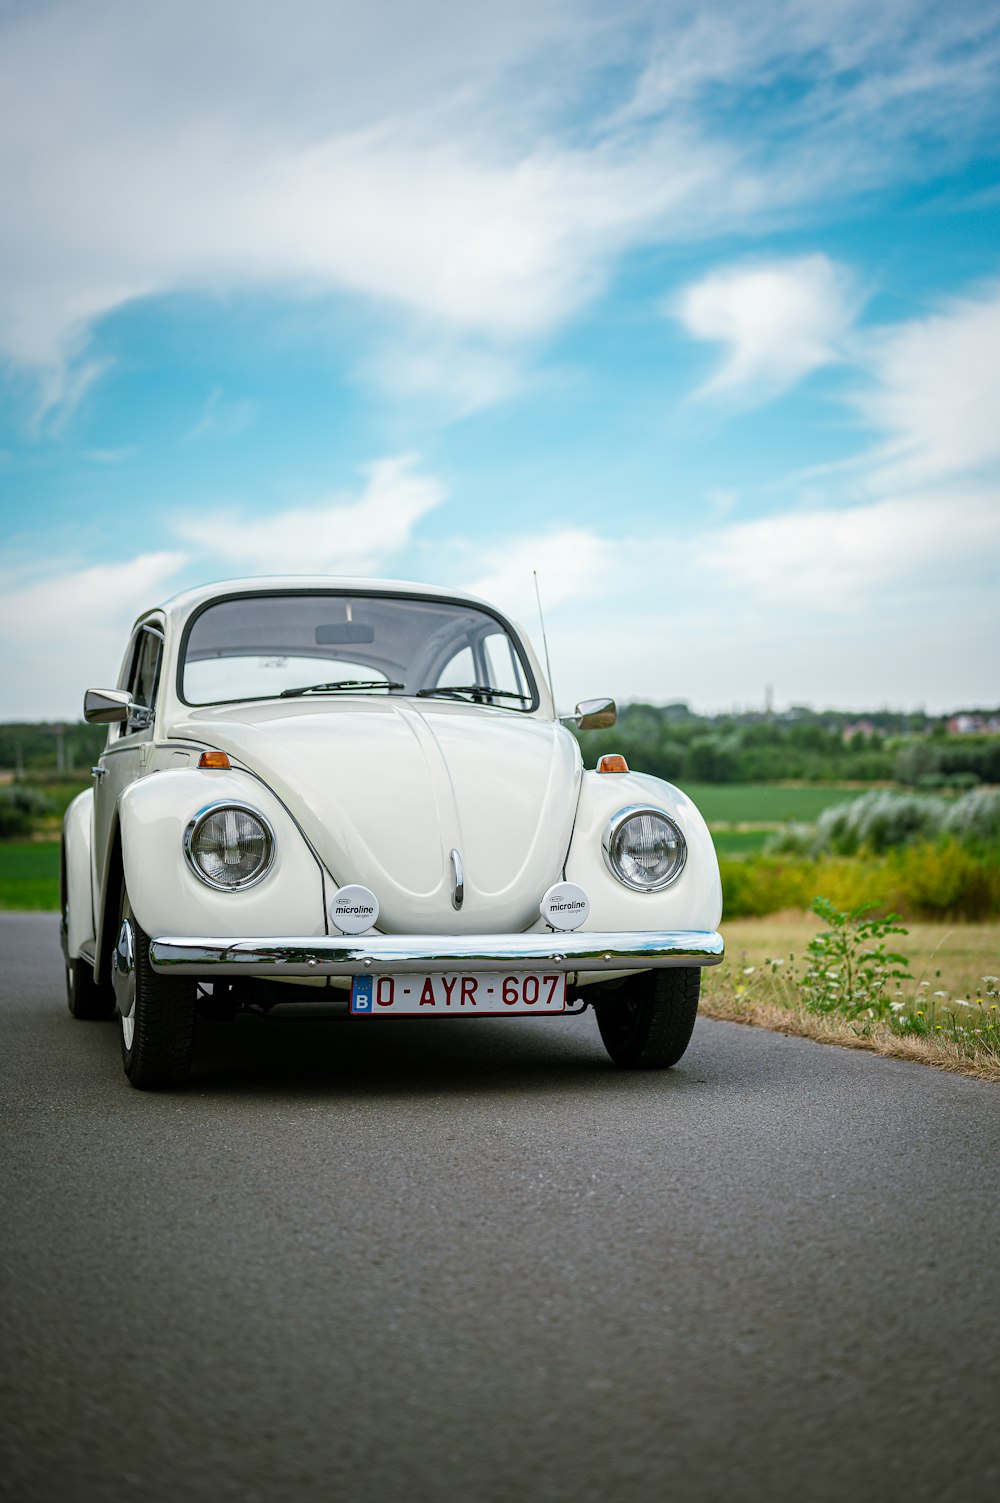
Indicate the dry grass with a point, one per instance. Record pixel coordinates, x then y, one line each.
951 960
827 1028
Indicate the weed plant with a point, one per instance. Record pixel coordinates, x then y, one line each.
848 971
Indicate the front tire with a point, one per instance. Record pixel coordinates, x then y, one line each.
646 1024
157 1012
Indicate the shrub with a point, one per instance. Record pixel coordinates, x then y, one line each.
926 880
793 839
878 821
949 756
751 888
943 880
975 818
20 808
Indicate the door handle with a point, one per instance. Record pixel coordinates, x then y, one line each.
98 772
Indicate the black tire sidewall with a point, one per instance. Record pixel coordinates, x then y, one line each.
648 1023
86 1000
164 1019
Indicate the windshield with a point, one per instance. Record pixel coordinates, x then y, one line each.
266 646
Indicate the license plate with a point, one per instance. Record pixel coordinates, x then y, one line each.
481 995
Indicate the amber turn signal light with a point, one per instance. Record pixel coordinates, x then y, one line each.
216 760
612 762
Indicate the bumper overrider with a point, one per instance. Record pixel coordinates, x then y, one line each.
351 955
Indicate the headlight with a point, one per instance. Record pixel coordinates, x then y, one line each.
644 849
229 847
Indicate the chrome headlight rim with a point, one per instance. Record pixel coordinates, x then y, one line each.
195 824
614 824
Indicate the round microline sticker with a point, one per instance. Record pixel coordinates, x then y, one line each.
565 906
354 909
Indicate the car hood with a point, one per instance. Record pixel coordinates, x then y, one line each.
386 789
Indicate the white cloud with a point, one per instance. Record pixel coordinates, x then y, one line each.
376 150
571 564
65 631
838 561
223 416
267 161
875 604
828 561
722 501
64 627
780 320
110 456
347 534
452 376
936 392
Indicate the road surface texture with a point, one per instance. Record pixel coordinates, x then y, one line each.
473 1261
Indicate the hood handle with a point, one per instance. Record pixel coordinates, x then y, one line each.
458 884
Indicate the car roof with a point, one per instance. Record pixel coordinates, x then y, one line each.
181 605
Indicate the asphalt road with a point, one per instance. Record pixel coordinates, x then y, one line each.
473 1261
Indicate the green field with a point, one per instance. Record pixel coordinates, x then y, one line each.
739 842
29 874
766 803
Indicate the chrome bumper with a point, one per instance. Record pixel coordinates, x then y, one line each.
348 955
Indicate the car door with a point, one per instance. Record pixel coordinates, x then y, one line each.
129 744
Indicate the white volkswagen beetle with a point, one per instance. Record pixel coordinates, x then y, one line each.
362 790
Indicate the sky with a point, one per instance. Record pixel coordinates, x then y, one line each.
694 309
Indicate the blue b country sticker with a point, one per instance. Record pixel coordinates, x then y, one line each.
361 994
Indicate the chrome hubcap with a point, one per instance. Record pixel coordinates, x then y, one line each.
123 980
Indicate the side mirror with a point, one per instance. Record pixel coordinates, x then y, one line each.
106 706
596 714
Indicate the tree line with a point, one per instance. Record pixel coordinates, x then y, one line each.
673 743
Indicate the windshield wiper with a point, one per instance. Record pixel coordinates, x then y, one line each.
455 689
346 685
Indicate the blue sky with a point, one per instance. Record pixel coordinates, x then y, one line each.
695 309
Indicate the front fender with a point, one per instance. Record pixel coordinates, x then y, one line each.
79 892
694 901
165 894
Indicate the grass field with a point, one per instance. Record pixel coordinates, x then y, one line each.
766 803
739 842
29 874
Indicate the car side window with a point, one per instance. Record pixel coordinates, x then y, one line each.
144 680
503 669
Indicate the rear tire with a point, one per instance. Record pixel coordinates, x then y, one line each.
646 1024
85 999
157 1012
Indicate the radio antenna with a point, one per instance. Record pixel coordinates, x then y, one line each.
545 644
